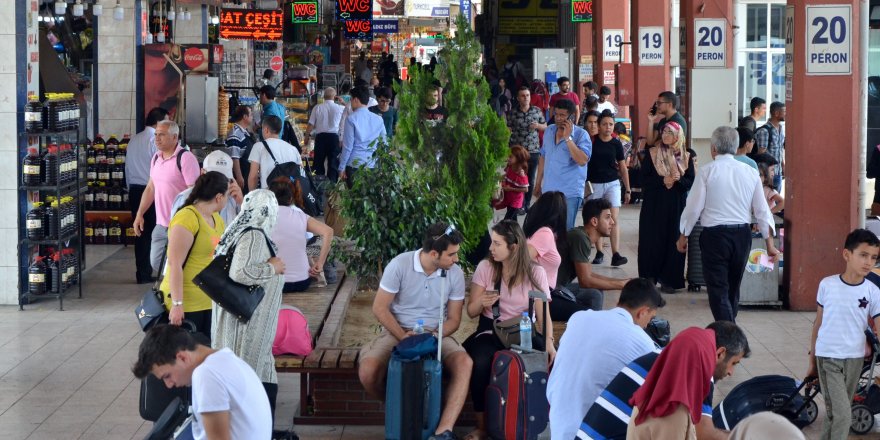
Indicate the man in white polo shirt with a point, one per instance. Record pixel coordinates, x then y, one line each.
410 290
594 347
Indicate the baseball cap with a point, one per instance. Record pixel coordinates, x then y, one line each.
218 161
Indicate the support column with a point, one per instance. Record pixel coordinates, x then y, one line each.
651 75
584 49
610 24
822 159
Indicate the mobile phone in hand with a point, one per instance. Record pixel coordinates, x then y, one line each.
654 109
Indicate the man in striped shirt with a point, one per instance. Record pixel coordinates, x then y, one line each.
609 415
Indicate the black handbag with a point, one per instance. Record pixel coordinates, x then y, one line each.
507 330
152 305
659 331
236 298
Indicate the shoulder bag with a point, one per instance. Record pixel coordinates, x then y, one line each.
236 298
507 330
152 305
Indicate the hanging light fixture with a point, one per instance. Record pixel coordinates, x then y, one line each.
160 36
187 14
149 38
78 9
60 7
171 15
97 8
215 20
118 12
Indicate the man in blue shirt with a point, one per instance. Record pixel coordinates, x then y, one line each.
363 130
563 163
272 108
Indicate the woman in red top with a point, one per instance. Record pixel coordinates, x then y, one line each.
515 183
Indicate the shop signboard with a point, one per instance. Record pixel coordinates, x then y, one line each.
385 26
251 24
305 11
357 19
464 6
426 8
528 17
582 11
388 8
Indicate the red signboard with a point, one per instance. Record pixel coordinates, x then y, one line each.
251 24
305 11
276 63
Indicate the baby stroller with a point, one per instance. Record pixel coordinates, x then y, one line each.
780 394
866 402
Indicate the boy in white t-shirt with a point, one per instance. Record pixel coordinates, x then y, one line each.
846 303
228 399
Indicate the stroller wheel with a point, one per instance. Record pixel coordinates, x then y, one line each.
862 419
812 411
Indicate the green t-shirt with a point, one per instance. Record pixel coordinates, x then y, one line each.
579 250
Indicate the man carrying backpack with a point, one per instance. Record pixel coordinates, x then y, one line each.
769 138
172 170
270 152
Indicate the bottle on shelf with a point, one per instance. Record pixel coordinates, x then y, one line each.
35 222
115 231
89 196
31 168
525 331
130 236
33 115
53 122
54 272
92 172
51 219
37 277
72 261
123 145
50 166
89 232
100 232
103 172
117 174
114 197
69 209
101 196
91 154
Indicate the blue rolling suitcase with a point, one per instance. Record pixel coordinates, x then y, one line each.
412 393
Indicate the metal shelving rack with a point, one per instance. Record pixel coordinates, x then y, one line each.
73 188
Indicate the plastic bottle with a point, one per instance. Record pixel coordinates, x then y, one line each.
91 154
31 167
103 172
419 328
525 331
35 222
100 232
54 284
115 231
50 166
37 277
89 197
117 174
89 232
72 277
114 197
51 228
101 196
33 115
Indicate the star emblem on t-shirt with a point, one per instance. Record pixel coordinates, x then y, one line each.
863 303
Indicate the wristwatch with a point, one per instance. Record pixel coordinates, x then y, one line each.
570 139
176 303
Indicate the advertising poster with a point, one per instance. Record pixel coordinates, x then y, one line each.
389 8
165 69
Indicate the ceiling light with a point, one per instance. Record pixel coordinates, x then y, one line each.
60 7
171 14
148 39
78 9
97 8
160 37
118 12
215 20
187 14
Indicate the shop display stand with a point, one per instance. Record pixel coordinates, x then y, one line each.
27 247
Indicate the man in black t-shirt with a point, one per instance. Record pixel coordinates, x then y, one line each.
667 110
433 110
609 415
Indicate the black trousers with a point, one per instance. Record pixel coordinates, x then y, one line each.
349 176
533 170
725 250
143 268
327 148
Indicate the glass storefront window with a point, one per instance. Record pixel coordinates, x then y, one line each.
760 52
777 21
756 26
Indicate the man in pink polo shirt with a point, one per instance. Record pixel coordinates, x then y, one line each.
169 175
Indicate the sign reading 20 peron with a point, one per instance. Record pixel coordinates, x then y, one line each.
829 40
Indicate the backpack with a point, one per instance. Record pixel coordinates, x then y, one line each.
769 139
292 335
311 199
179 155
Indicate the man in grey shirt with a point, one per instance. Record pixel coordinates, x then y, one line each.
411 290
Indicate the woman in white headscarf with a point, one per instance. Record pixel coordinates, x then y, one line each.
253 263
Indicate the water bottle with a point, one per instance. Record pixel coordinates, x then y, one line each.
525 331
420 327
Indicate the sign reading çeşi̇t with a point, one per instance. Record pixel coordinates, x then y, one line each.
251 24
357 18
582 11
305 11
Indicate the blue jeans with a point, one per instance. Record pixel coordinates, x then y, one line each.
777 181
573 206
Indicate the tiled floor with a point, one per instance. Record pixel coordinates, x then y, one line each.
65 375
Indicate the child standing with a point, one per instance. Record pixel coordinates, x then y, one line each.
845 304
774 199
515 183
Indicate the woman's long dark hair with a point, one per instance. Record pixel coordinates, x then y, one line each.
207 187
520 263
550 211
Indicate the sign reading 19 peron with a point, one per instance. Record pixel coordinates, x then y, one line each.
582 11
829 40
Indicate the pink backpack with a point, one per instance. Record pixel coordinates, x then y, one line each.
292 335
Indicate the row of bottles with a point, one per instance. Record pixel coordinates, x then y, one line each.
57 165
59 112
52 219
102 196
112 151
111 231
53 272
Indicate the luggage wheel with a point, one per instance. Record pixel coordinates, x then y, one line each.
862 419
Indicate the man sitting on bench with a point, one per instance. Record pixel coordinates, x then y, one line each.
408 293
